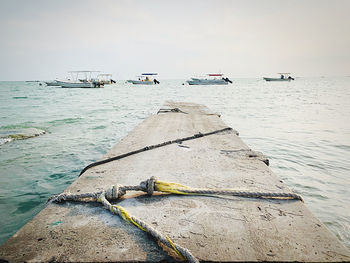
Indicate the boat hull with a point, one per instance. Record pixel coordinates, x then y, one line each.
207 82
276 79
65 84
139 82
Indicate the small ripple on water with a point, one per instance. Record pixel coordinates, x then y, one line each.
28 124
100 127
20 98
57 176
65 121
26 206
312 195
342 147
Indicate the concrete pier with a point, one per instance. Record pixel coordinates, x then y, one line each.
212 228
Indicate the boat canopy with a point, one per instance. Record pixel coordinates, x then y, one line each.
75 74
285 74
105 75
149 74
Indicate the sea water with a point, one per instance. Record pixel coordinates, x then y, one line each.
302 126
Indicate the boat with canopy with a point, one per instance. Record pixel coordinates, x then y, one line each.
210 79
145 79
81 79
283 77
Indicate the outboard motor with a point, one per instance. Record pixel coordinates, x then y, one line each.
156 81
113 81
98 84
227 80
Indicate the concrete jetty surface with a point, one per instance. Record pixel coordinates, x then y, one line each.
212 228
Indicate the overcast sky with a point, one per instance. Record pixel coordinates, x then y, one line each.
177 39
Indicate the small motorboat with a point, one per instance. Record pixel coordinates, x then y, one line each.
283 77
79 79
80 84
145 79
210 79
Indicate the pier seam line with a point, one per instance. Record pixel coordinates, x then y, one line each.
171 110
151 147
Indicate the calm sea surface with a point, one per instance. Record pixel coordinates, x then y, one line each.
302 126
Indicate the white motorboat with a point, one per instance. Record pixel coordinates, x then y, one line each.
210 79
145 79
80 84
81 79
283 77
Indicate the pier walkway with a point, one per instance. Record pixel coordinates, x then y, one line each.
212 228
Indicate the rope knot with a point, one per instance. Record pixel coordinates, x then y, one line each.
148 185
115 192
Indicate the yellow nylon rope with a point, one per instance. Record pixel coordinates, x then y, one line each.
174 188
175 249
125 215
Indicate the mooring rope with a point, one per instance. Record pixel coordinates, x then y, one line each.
151 147
115 209
151 185
171 110
177 110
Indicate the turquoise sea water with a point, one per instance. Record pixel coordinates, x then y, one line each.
302 126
